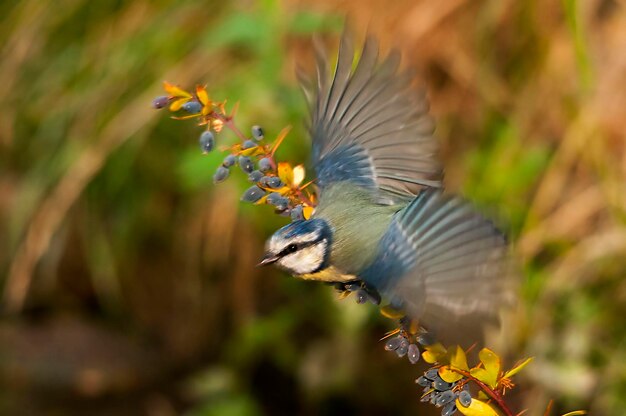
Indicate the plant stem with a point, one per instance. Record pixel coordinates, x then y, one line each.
488 390
230 124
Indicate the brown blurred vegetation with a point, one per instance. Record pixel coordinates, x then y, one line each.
128 278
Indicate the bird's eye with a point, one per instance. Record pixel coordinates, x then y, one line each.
291 248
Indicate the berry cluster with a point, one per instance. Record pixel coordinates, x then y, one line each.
405 343
442 394
274 183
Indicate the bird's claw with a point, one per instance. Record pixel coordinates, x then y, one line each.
362 292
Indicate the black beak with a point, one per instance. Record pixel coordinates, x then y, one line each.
268 259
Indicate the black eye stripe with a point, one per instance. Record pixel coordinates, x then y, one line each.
292 248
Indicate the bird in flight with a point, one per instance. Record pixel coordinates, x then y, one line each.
383 225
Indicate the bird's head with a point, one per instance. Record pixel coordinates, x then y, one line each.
302 247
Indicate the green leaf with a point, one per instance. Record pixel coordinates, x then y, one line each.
519 367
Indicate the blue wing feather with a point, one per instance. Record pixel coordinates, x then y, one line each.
444 263
368 127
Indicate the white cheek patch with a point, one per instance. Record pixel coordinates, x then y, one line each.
305 260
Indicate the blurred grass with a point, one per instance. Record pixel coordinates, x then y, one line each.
116 242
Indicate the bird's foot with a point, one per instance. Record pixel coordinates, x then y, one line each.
362 292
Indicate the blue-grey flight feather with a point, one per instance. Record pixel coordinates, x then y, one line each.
445 264
370 127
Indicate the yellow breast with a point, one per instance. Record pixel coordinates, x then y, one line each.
329 274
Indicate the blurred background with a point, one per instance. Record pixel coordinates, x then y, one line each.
127 277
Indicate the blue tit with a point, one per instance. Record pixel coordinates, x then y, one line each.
382 220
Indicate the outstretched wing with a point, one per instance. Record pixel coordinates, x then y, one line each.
445 265
370 127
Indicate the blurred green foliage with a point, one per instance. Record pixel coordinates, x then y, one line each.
129 279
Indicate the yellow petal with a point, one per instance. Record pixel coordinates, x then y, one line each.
177 104
285 173
185 117
202 95
491 362
298 175
449 375
285 190
249 151
458 359
175 91
476 408
519 367
307 212
576 413
435 353
482 375
262 200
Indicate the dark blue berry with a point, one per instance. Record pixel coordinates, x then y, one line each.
252 194
229 161
207 141
425 339
423 381
465 398
449 409
441 385
192 107
255 176
248 144
274 182
245 163
160 102
392 344
257 133
446 397
413 353
403 348
273 198
220 174
432 374
265 164
282 204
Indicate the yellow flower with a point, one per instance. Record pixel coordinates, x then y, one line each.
176 93
203 97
